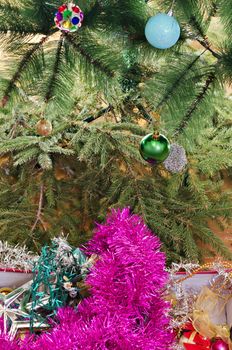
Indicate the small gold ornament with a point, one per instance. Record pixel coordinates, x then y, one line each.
5 290
44 127
135 110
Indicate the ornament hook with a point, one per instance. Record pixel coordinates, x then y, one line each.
170 12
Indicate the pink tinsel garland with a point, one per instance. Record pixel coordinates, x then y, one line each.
125 311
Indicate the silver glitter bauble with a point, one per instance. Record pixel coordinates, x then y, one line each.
176 160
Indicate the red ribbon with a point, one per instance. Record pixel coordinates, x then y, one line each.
201 342
196 347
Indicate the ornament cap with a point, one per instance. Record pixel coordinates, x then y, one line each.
156 135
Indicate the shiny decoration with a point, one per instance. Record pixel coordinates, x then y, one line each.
219 344
21 328
177 160
10 308
206 300
154 148
162 31
44 127
69 17
126 306
15 257
187 289
5 290
213 306
58 264
5 341
126 309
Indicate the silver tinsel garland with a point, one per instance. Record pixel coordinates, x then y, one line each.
16 257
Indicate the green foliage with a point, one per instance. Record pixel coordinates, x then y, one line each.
195 13
225 11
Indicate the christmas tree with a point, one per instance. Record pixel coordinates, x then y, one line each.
81 85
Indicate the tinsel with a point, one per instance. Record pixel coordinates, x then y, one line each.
184 299
176 160
126 309
58 264
5 342
16 257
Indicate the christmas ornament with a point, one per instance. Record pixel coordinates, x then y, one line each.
44 127
162 31
10 307
219 344
57 264
15 258
21 328
176 160
69 17
154 148
5 290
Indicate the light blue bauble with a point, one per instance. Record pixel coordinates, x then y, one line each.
162 31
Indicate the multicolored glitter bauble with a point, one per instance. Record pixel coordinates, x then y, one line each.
69 17
154 148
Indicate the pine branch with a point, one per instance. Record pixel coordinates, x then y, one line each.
177 82
133 175
205 43
193 21
23 64
38 215
55 70
195 104
225 12
144 112
77 46
39 211
9 12
100 114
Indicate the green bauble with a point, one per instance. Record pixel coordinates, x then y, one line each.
154 148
